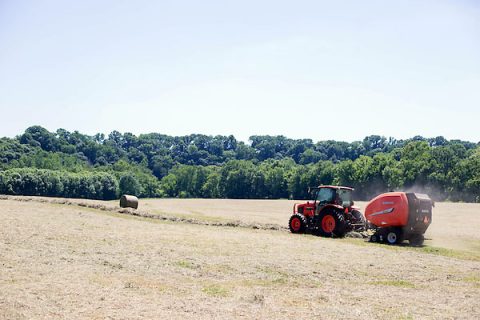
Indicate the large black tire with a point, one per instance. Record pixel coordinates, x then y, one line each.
416 240
332 224
297 223
359 219
394 236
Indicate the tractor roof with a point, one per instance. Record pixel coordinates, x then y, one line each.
336 187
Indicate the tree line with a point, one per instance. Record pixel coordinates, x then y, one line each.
156 165
41 182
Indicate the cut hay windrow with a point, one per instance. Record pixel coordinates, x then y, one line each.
145 214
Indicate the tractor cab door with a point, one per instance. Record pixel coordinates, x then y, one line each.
324 196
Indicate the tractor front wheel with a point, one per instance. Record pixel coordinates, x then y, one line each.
297 223
332 224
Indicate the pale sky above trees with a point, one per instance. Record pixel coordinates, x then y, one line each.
304 69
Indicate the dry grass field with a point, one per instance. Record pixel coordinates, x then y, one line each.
455 225
87 261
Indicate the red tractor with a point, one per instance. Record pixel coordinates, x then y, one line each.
330 214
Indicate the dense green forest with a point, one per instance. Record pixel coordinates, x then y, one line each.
71 164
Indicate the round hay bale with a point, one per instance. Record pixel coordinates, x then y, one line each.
127 201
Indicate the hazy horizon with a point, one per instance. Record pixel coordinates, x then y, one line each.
246 141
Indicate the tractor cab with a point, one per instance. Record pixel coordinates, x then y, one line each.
326 196
330 213
340 196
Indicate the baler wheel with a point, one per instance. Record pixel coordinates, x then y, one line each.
297 223
332 224
394 236
416 240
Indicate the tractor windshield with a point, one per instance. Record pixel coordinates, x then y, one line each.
345 196
325 195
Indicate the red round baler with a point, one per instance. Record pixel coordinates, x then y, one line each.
398 216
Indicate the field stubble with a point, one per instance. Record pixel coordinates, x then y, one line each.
64 261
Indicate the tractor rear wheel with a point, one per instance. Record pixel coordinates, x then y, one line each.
297 223
359 220
394 236
332 224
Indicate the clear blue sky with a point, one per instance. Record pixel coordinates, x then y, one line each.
304 69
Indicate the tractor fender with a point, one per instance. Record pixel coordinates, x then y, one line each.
329 206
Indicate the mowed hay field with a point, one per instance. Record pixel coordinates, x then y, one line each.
67 261
455 225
